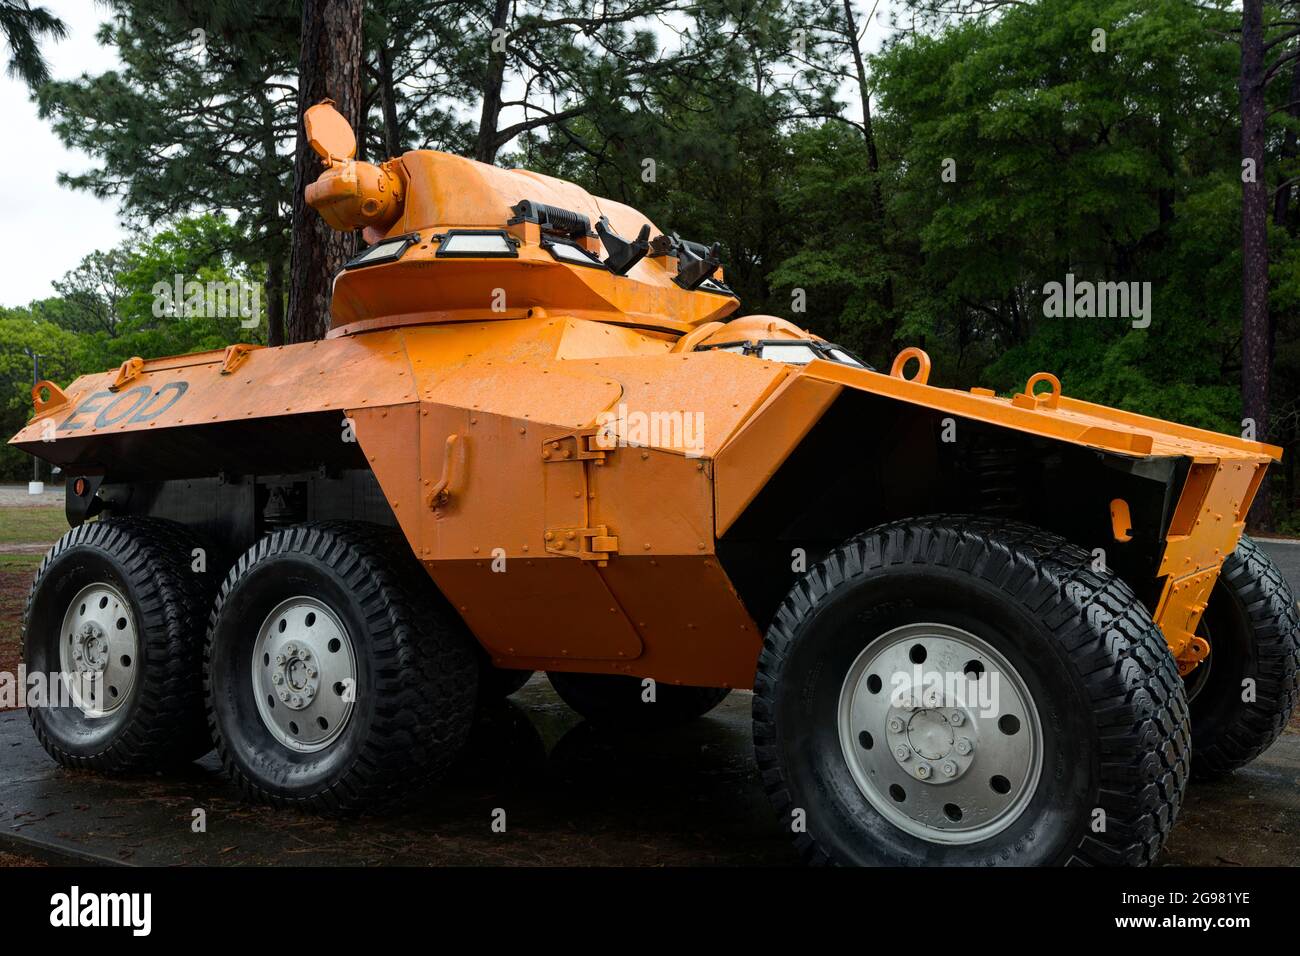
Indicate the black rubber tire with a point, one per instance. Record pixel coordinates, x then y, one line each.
498 683
416 682
1111 706
1254 631
616 700
149 561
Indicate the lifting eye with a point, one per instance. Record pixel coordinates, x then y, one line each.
922 365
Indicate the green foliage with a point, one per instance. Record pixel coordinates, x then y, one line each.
23 27
99 324
1114 161
60 356
839 264
199 116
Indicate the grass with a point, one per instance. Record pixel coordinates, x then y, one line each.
20 563
43 525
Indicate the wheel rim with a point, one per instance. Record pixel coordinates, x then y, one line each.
304 674
99 650
940 733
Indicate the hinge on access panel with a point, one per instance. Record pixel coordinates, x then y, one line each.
588 544
582 445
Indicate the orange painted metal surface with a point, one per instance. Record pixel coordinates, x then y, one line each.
1207 523
564 464
746 464
1211 513
425 194
1053 415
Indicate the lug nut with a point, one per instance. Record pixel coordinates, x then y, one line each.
923 771
277 678
949 768
895 725
958 718
279 659
901 752
963 746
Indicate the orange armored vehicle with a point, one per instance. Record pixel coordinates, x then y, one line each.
977 629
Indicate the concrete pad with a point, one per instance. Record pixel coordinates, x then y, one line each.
572 796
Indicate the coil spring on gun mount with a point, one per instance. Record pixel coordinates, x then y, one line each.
553 220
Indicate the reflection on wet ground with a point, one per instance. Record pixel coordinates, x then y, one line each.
571 794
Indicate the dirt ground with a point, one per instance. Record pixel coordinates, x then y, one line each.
15 580
10 859
28 527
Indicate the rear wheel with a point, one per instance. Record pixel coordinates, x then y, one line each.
115 617
336 676
616 700
1244 692
960 691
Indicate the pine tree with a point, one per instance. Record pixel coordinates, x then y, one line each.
23 26
196 119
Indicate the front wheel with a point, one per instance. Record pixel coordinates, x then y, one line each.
961 691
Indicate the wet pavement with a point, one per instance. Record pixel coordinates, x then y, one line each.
570 796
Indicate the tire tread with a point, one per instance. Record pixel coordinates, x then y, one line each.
1118 651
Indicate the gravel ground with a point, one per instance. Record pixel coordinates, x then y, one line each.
16 496
10 859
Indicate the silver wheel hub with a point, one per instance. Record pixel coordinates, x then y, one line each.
99 649
931 743
295 677
304 674
940 733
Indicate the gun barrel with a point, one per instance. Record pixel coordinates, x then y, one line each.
355 195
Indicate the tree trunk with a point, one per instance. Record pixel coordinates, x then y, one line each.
485 150
859 65
869 134
1254 243
274 298
329 67
1282 203
272 229
388 101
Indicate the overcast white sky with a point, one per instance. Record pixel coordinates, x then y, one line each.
48 228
